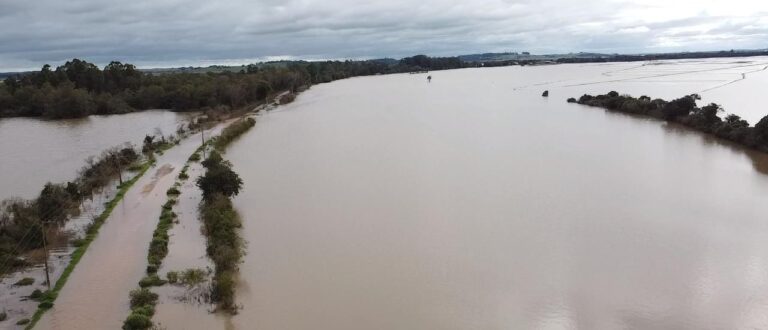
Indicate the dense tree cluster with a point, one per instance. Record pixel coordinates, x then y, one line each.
79 88
219 178
685 111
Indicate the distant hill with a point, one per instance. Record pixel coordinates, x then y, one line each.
583 57
482 59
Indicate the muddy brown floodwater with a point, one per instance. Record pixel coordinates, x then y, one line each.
36 151
471 202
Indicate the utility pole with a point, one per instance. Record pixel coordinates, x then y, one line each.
119 171
45 248
202 136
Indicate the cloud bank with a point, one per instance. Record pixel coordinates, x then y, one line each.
196 32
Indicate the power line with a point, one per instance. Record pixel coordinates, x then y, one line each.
21 242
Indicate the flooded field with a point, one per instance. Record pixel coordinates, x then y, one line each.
36 151
473 203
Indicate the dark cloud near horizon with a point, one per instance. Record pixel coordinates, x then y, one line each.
196 32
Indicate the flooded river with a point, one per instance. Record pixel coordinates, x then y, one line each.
473 203
470 202
36 151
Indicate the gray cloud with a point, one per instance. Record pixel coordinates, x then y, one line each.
193 32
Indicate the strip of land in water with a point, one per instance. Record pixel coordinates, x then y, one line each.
685 111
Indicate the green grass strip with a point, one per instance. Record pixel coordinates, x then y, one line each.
89 237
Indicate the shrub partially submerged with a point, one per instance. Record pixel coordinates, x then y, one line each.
24 282
158 247
151 280
142 297
232 132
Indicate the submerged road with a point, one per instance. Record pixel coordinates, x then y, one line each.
96 295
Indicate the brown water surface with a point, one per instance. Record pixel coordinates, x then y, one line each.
473 203
35 151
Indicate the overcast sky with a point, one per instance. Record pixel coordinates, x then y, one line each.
162 33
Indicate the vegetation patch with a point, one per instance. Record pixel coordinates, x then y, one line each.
287 98
183 174
220 220
158 246
685 111
173 277
173 191
36 295
193 276
143 304
232 132
151 280
24 282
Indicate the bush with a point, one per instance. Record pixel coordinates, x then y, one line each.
151 280
22 322
194 158
24 282
143 297
183 175
144 310
3 316
287 98
173 191
36 295
45 305
193 276
137 321
152 268
219 178
223 290
233 131
173 277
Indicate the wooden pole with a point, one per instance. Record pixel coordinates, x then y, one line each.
202 136
45 248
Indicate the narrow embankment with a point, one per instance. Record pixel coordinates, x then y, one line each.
94 297
220 226
220 219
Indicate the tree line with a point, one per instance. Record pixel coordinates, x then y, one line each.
221 222
662 56
685 111
79 88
